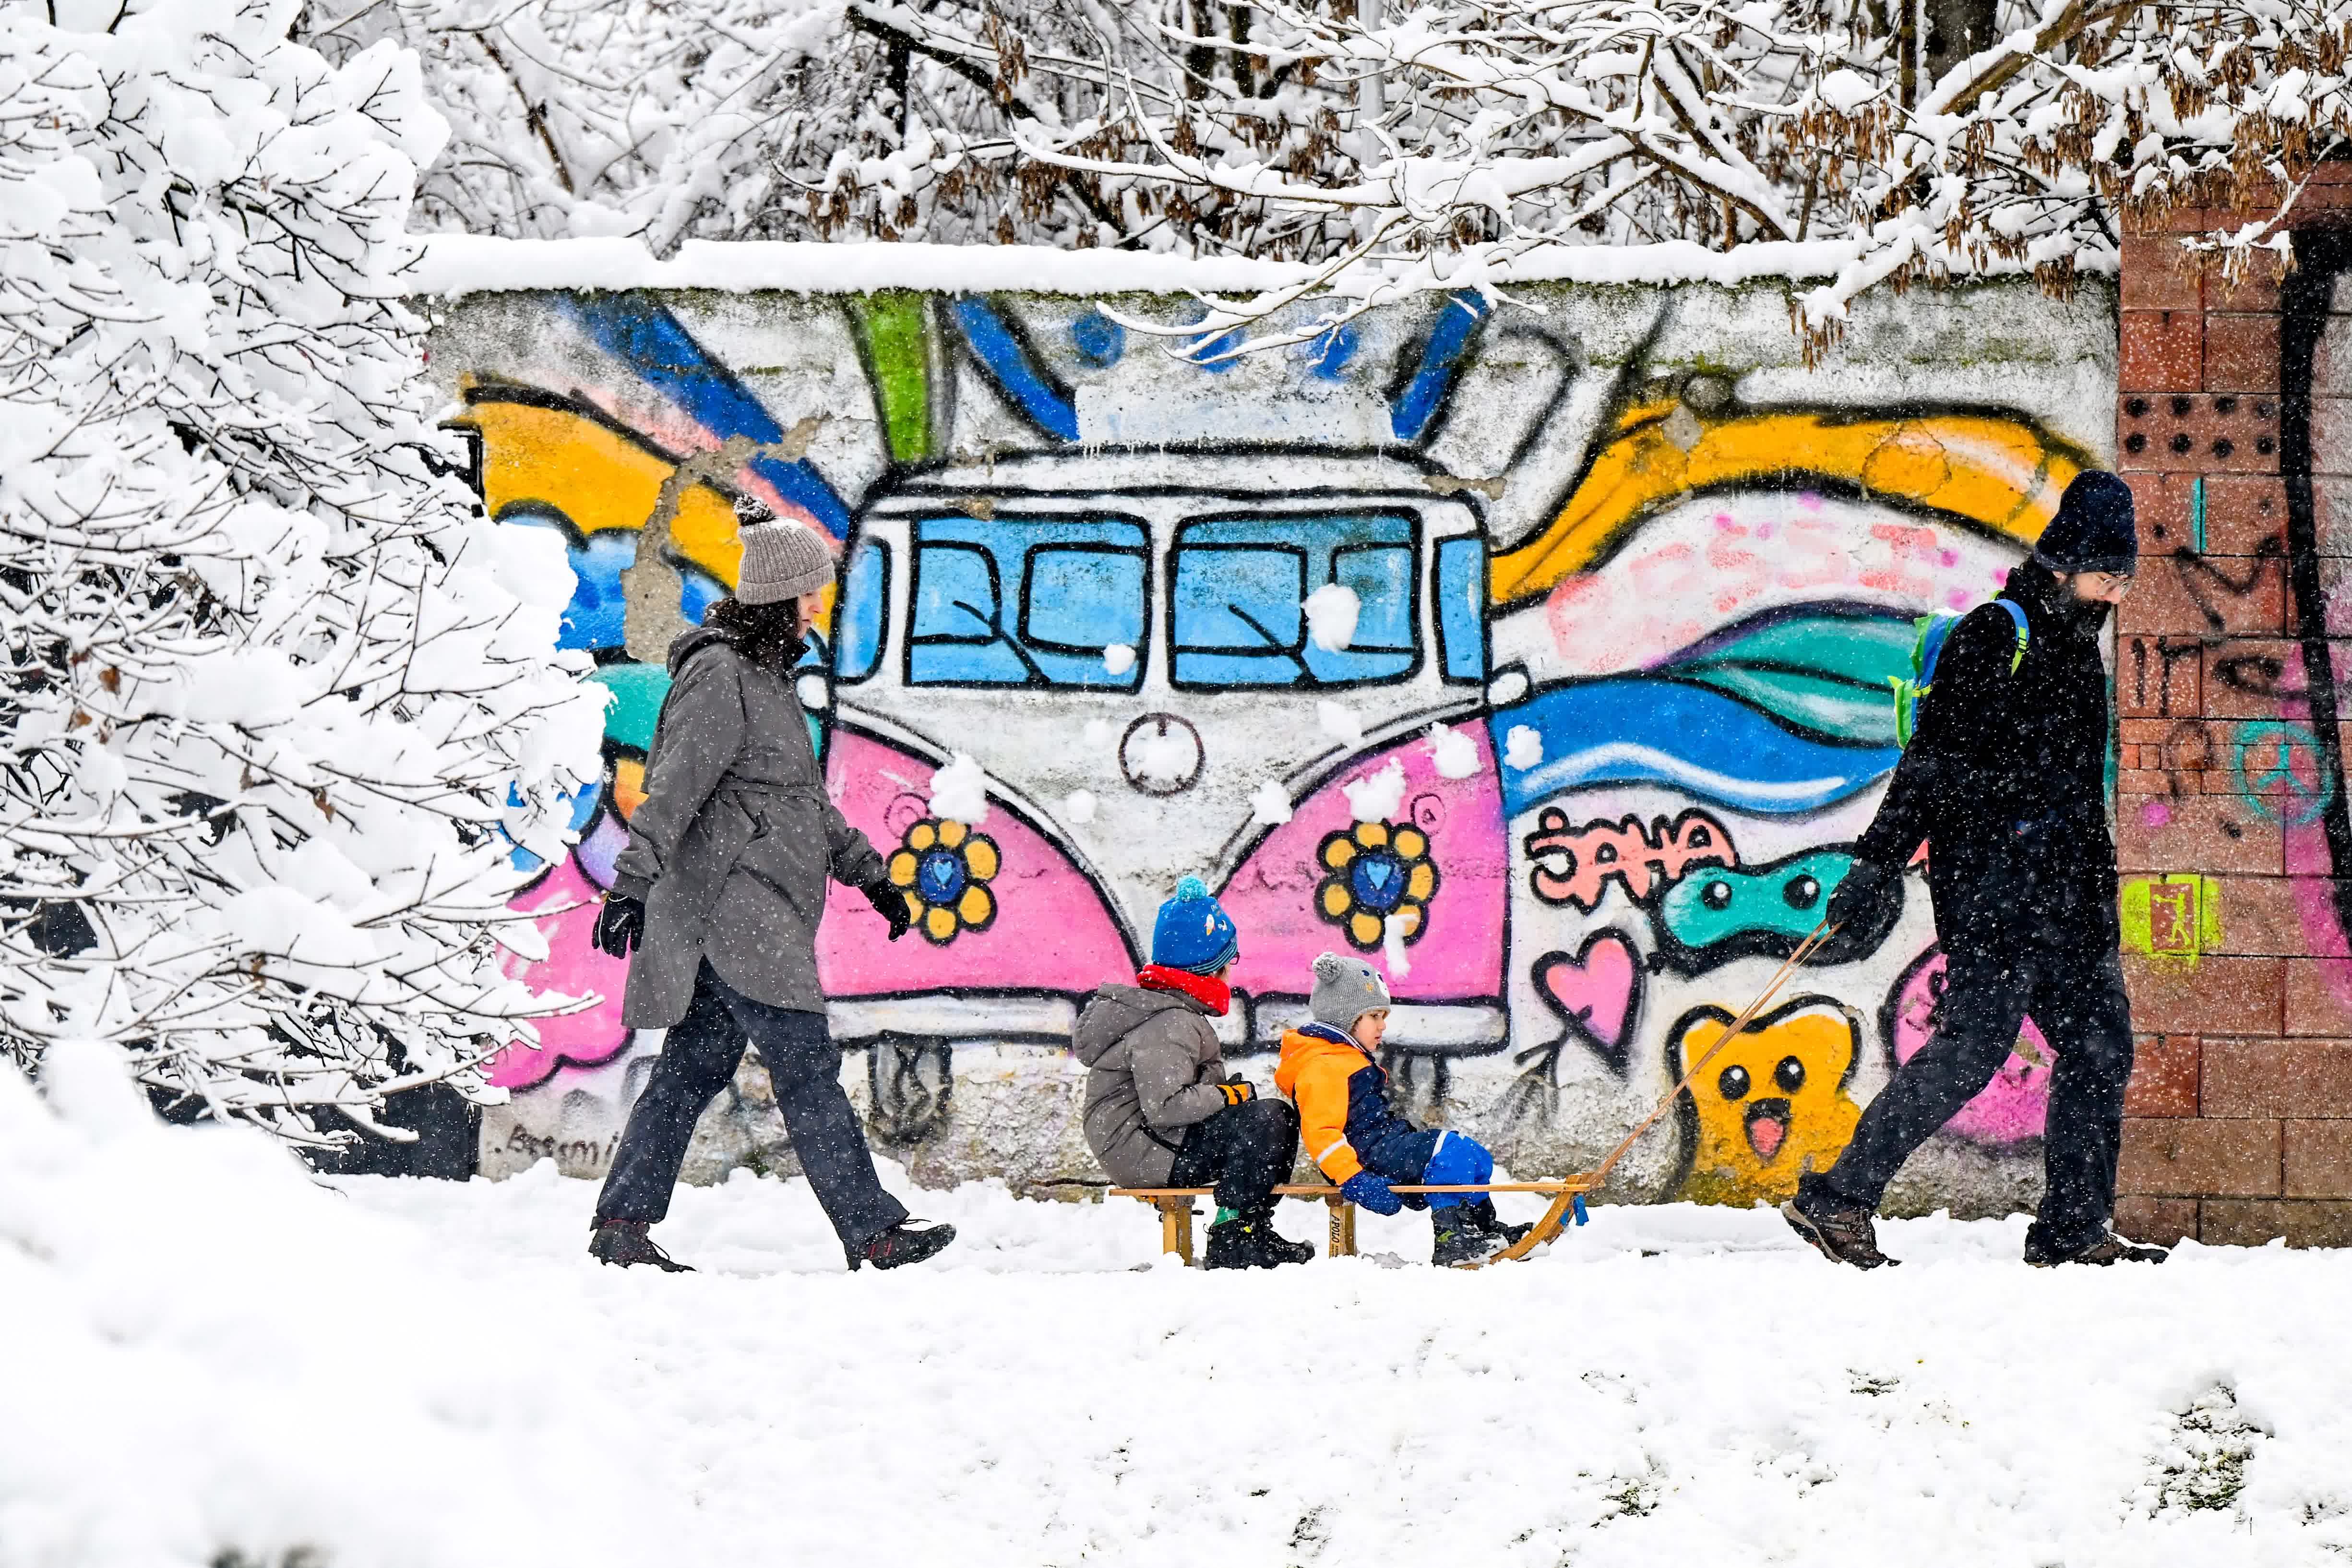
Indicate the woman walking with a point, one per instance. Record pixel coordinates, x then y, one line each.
720 893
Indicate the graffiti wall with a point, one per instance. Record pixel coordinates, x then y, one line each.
1540 652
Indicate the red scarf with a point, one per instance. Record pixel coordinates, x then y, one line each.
1209 990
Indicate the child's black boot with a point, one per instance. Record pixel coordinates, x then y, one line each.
1250 1241
1481 1215
1460 1243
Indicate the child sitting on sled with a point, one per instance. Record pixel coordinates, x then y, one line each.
1329 1071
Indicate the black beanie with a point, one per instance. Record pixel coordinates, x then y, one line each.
2094 530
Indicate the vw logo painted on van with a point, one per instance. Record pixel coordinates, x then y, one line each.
1161 754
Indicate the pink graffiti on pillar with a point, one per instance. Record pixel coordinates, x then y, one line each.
1039 923
1459 954
573 968
2014 1106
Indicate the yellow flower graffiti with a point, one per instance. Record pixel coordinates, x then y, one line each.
1376 872
945 868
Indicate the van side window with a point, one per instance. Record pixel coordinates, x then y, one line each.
862 615
1237 589
1462 607
1015 601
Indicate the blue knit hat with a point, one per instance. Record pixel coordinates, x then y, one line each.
1192 932
2094 530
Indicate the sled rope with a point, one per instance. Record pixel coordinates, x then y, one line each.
1820 934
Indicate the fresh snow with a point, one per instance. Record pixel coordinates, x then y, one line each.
1341 722
1523 747
214 1353
1118 658
1375 797
458 264
959 791
1270 803
1332 612
1454 753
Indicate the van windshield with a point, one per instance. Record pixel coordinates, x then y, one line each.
1237 600
1028 601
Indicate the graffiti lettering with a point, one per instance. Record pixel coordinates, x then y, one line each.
1575 866
570 1153
2207 584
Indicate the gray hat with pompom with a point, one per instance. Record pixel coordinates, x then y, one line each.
781 561
1345 990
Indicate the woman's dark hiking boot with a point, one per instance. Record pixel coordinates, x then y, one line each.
908 1241
1250 1241
625 1242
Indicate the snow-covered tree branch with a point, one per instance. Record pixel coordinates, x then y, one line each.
1398 144
279 706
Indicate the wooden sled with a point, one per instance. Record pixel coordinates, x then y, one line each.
1175 1204
1177 1213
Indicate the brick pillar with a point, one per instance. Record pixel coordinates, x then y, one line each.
2239 1120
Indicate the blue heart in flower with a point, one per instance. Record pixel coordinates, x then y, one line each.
1378 880
940 877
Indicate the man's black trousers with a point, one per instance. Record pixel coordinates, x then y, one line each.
2078 1000
1244 1151
697 1059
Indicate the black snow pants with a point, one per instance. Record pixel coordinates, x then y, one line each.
2078 1000
1243 1150
697 1059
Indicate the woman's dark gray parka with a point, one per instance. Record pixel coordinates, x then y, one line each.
733 845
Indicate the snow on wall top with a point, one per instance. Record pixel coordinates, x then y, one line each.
475 264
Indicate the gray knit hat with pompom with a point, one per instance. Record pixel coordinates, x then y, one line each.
781 561
1345 990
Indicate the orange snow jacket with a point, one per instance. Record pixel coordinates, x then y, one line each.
1342 1094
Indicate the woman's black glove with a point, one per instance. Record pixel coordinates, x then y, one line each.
1864 895
889 902
620 925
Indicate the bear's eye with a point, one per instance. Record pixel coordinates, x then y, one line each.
1801 892
1733 1083
1717 895
1789 1075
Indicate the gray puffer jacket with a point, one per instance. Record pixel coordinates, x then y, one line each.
733 842
1155 1065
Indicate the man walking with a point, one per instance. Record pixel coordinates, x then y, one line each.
2005 779
720 893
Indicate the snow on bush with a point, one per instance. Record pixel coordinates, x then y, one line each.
210 1360
279 705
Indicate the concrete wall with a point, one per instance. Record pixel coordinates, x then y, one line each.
1630 580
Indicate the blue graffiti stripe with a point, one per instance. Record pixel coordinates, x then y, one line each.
1414 410
1632 730
1034 390
652 342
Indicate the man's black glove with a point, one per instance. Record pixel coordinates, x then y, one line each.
619 924
889 902
1863 898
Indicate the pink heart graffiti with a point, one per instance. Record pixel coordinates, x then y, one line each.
1597 990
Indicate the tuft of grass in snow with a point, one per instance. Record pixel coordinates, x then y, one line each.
2205 1467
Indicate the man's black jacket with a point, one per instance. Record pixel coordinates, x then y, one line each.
2006 779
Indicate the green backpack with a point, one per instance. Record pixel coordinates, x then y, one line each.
1932 630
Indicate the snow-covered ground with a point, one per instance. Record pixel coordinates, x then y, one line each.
207 1352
